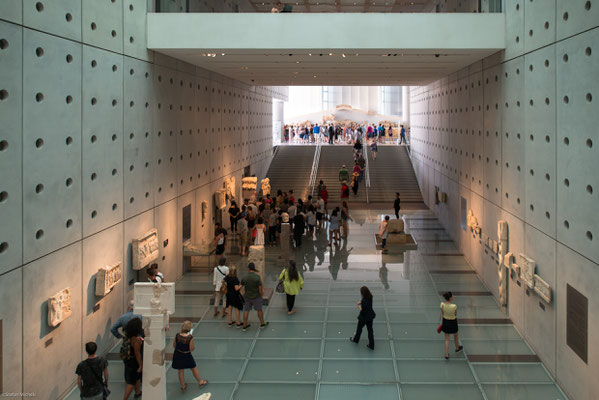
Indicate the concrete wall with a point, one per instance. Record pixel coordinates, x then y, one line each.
516 136
100 141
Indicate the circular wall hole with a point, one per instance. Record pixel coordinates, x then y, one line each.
589 189
131 200
546 25
565 58
3 145
3 94
589 97
3 247
566 224
531 102
69 182
68 17
69 140
547 177
532 172
114 137
147 194
94 101
131 136
589 235
547 215
518 200
566 99
39 97
69 223
39 188
131 167
69 99
530 33
532 138
547 139
94 176
3 44
3 196
547 100
39 52
39 234
566 141
565 16
567 182
114 206
94 63
69 58
94 214
93 26
589 143
587 51
532 207
114 172
547 63
114 103
131 40
587 5
39 6
131 7
39 143
94 139
507 195
131 103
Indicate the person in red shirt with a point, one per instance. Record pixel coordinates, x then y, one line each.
324 194
344 190
291 198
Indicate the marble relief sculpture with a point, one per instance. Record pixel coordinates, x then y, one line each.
265 186
248 186
106 278
220 199
59 307
472 222
230 187
543 289
204 210
500 247
144 250
527 269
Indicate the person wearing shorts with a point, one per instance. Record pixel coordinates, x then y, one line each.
252 285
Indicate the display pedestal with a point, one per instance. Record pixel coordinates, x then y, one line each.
154 301
285 244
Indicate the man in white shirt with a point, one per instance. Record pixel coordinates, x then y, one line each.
220 272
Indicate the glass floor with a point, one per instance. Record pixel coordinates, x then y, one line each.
308 355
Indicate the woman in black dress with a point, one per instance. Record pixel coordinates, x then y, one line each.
234 299
182 357
366 317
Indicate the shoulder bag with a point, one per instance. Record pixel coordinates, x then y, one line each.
281 285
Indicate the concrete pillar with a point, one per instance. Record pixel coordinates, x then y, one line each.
405 106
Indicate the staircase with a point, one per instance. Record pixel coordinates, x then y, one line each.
331 160
392 172
290 169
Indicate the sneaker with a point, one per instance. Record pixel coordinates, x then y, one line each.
231 323
245 328
239 325
459 349
264 325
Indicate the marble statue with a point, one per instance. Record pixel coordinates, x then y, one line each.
204 210
285 218
265 186
106 278
472 222
220 199
144 250
153 301
59 307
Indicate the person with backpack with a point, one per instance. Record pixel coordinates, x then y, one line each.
220 272
132 355
182 357
89 375
293 283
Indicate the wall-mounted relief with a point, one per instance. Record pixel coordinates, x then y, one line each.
443 197
527 269
265 186
230 188
500 248
144 250
59 307
248 187
543 289
472 222
220 199
204 210
106 278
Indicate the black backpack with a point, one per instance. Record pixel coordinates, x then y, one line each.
125 351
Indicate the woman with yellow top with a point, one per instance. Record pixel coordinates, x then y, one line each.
449 313
293 283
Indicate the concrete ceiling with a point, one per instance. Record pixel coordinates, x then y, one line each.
324 67
347 6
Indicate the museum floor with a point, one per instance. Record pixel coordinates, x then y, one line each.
308 355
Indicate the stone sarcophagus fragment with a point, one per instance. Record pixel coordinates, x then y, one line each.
59 307
106 278
144 250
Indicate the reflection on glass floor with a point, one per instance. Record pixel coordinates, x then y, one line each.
308 355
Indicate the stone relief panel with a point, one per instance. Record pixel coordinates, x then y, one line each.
59 307
527 269
106 278
144 250
220 199
248 187
265 186
543 289
230 187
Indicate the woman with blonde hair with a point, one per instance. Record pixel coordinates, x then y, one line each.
182 357
234 299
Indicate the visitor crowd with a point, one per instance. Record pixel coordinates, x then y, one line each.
342 133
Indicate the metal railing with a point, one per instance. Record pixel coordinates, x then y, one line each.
314 171
366 168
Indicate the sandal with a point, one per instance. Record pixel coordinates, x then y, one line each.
203 383
184 388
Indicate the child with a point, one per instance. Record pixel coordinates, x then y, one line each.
182 358
374 147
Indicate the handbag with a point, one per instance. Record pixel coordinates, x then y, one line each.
439 328
105 390
223 286
281 286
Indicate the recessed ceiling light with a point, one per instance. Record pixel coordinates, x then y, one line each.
330 54
222 54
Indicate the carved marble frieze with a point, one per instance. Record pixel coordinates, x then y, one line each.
106 278
59 307
145 249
